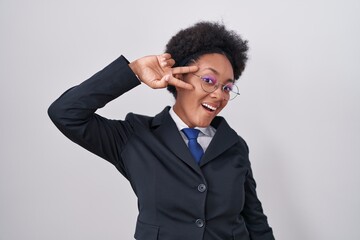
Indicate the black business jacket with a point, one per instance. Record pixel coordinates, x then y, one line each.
177 199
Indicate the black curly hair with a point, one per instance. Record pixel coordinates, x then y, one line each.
207 37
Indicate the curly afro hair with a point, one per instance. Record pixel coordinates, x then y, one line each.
207 37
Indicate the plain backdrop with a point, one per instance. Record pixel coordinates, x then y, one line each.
299 111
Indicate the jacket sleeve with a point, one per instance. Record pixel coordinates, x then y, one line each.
74 115
255 219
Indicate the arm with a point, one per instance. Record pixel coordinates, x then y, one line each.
256 221
74 111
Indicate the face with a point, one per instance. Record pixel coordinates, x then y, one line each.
196 107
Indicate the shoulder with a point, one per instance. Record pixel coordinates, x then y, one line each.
148 121
136 119
222 126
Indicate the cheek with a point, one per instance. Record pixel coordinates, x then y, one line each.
200 93
196 96
223 105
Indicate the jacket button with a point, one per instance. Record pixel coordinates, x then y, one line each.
202 187
199 223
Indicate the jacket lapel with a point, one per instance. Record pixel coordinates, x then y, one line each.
224 138
166 131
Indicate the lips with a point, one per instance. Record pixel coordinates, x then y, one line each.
209 107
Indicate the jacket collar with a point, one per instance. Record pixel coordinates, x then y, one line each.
224 138
167 132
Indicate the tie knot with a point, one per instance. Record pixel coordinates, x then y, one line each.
191 133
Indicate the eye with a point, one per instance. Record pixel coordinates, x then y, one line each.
208 80
228 88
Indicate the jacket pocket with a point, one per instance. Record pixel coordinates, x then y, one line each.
241 233
145 231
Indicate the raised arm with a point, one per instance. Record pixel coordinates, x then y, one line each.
74 111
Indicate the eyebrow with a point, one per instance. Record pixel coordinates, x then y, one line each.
216 72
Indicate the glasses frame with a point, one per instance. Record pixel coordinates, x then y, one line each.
216 86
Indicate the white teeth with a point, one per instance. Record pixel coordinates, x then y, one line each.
209 107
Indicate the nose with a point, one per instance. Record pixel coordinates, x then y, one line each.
219 93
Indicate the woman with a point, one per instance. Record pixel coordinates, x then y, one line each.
188 187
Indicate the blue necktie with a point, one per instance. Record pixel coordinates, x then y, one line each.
194 147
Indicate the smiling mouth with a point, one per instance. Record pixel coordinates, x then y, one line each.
209 107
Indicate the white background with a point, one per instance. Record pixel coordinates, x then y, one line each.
299 111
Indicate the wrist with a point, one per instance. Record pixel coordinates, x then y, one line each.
134 67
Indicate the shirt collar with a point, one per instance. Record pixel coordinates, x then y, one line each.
208 131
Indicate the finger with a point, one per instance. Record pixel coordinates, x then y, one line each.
170 62
185 69
160 83
165 60
165 55
167 63
179 83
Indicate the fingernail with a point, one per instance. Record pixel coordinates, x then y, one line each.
167 77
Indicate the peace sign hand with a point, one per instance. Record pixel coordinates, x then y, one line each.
156 71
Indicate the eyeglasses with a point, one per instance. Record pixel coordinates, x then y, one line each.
209 84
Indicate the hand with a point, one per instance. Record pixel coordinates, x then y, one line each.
156 71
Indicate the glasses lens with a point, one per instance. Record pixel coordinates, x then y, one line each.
208 84
234 92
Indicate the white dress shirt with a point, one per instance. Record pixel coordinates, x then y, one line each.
205 136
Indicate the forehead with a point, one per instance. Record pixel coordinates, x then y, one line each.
217 64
